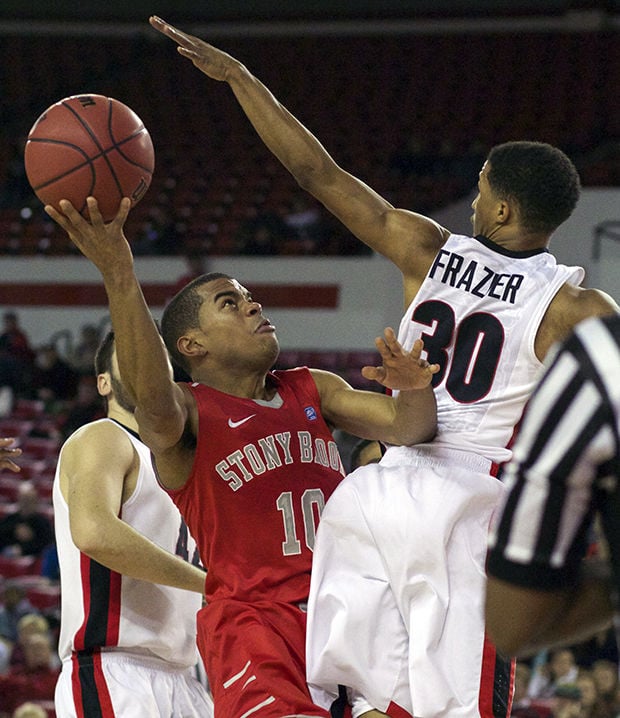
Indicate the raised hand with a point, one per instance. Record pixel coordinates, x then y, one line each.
400 370
7 454
104 244
213 62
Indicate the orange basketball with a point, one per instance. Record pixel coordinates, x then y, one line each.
89 145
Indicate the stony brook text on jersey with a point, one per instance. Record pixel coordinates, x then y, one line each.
276 450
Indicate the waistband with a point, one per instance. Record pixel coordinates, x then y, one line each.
87 658
434 454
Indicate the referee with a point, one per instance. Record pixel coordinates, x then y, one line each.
542 591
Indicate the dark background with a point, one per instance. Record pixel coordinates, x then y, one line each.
285 10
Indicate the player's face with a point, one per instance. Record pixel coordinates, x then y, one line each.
484 204
233 323
118 390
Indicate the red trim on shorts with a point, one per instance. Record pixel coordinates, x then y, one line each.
395 711
511 693
487 680
76 686
105 701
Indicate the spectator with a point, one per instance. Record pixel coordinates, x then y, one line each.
29 710
590 703
55 381
36 680
605 675
86 406
15 605
560 669
32 624
82 357
16 355
566 701
50 569
26 531
14 340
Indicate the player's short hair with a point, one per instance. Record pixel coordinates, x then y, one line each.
103 355
540 178
181 314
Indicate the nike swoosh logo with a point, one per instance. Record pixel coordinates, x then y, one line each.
235 424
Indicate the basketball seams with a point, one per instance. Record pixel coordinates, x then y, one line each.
74 168
104 166
117 145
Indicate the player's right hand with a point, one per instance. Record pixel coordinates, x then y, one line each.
104 244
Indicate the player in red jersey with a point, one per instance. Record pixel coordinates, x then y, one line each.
248 456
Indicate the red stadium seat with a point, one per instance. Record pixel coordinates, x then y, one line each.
9 488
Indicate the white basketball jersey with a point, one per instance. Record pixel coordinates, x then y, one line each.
478 312
102 609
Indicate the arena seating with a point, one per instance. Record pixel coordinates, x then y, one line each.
374 101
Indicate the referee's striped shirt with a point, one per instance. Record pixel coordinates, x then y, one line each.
565 466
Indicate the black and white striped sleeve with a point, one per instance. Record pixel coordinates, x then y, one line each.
564 453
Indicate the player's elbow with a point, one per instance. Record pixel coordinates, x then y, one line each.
89 536
424 429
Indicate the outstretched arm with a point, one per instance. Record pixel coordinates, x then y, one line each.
408 418
408 239
143 360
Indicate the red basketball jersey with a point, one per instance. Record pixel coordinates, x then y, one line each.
261 476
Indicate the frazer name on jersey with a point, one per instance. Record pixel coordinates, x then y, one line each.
450 268
273 451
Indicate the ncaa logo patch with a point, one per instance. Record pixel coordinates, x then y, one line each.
310 413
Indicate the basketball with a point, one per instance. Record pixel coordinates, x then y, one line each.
89 145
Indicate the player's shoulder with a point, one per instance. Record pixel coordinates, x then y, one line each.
101 433
573 304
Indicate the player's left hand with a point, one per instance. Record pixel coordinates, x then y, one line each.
401 370
215 63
